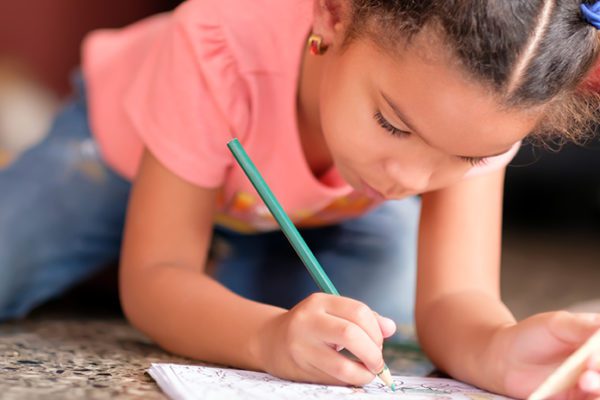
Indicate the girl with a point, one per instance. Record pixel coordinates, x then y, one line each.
389 100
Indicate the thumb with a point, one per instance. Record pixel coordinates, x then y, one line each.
574 328
387 325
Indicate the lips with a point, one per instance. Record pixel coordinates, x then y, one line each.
370 192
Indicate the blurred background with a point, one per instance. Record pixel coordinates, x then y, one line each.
552 216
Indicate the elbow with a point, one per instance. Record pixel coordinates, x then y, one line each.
132 300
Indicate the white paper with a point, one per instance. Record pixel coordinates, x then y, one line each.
188 382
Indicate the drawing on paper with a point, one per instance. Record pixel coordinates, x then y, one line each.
199 382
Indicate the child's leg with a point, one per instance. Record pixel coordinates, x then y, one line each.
372 259
262 267
61 215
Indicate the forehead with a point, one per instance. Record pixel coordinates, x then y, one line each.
442 102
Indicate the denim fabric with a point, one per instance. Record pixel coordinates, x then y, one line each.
61 219
371 259
61 214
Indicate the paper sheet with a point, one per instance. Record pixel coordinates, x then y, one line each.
187 382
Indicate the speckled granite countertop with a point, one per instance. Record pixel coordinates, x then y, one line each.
101 358
77 359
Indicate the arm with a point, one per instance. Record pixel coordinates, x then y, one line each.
458 296
163 288
461 321
165 294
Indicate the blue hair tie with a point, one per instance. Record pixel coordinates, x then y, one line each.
591 13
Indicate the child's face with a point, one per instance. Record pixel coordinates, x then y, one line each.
447 118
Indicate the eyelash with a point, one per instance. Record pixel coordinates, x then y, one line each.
389 127
474 161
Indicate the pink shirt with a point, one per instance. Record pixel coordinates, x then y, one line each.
184 83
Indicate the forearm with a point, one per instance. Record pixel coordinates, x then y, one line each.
188 313
457 333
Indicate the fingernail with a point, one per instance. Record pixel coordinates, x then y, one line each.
590 382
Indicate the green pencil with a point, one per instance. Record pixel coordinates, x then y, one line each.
290 231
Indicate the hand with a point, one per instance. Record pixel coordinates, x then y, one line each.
536 346
301 343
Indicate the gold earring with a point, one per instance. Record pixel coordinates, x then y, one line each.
315 43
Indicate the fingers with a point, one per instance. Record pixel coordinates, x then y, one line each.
321 325
387 326
573 328
358 313
350 336
336 369
590 382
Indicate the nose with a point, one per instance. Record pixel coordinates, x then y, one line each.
412 178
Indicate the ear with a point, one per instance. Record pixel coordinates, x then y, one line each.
331 18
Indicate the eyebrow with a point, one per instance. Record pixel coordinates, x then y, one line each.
410 126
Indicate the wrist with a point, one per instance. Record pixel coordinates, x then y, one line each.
261 341
495 360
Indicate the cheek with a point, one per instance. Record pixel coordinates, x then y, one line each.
347 126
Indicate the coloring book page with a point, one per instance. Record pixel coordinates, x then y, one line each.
188 382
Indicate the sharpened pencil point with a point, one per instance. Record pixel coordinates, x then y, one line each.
386 377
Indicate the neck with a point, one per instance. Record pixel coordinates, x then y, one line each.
314 146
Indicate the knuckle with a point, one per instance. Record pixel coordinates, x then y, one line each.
314 299
362 312
348 332
557 317
301 315
561 314
297 323
343 371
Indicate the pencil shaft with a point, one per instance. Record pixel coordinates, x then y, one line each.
287 226
290 231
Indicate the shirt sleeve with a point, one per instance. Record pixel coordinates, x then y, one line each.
494 163
188 99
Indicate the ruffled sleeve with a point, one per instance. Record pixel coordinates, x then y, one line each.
189 99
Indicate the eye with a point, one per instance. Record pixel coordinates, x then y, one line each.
389 127
475 161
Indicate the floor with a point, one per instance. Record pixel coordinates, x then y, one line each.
549 270
75 348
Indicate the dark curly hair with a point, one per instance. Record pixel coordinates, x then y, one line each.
529 52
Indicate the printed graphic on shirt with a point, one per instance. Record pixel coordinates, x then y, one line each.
247 213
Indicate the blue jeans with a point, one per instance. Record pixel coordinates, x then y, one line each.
62 211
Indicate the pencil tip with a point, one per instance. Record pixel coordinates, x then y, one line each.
386 377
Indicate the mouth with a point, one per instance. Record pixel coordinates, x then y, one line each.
371 192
